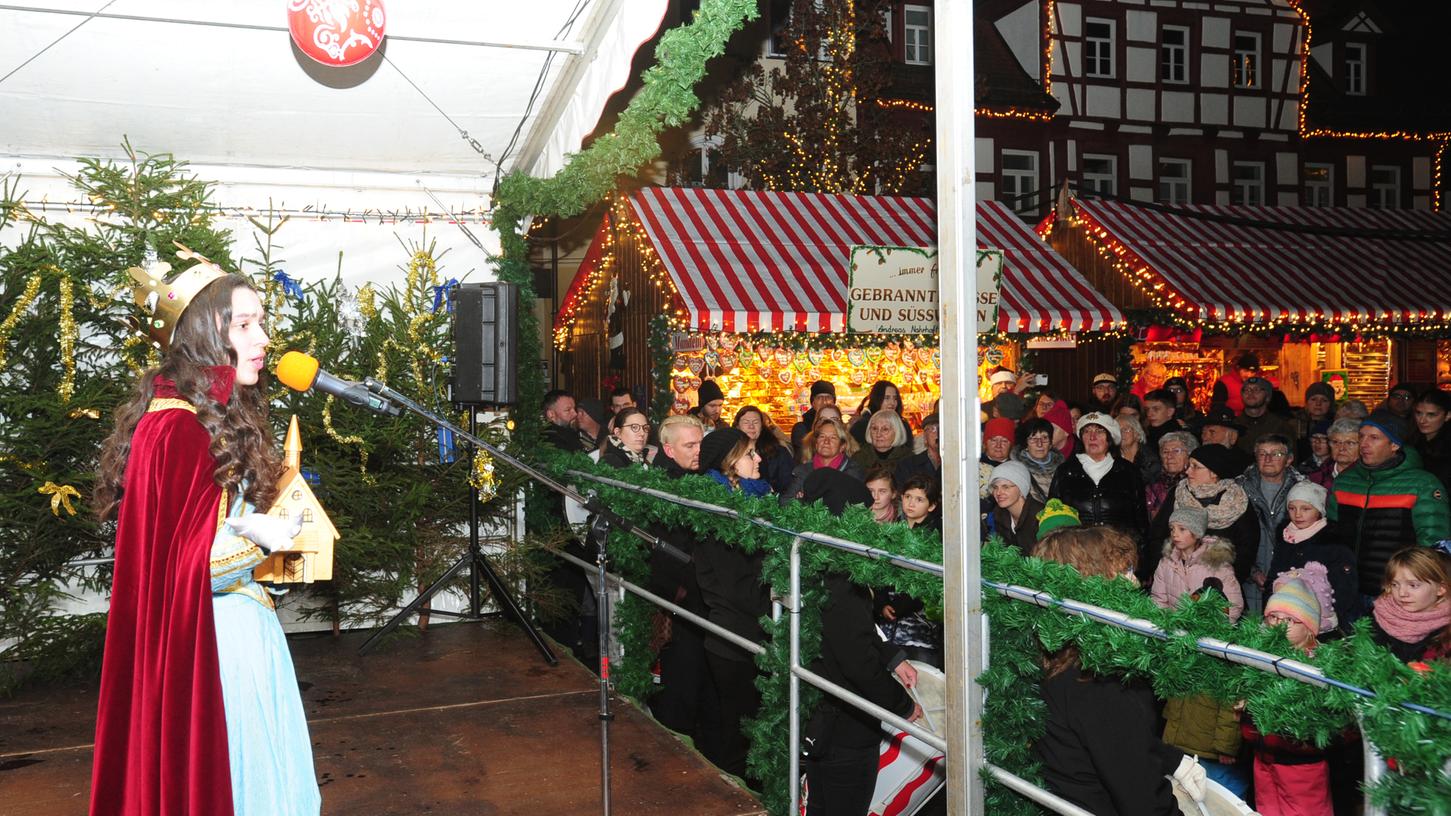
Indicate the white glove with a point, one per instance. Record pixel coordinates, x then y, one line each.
268 532
1190 777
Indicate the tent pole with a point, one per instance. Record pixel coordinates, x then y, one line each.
952 54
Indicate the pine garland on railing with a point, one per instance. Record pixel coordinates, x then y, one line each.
1420 744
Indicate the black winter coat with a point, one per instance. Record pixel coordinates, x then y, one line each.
1116 501
734 594
1243 533
853 655
1100 746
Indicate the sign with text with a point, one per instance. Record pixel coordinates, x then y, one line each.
989 289
892 290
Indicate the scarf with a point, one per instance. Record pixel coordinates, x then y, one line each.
1295 535
635 458
1096 470
1410 627
1232 502
817 463
886 515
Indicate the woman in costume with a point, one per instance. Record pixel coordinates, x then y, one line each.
199 708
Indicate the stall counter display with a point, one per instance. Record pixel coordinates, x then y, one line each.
1154 363
777 379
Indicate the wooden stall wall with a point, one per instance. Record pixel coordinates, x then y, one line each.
584 365
1071 242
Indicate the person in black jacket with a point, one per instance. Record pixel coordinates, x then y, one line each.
561 422
1100 746
1306 536
1431 439
626 435
1106 490
842 743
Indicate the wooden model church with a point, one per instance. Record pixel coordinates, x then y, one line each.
311 558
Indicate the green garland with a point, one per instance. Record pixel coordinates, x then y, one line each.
662 359
1420 744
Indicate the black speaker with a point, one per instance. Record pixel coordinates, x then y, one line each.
485 343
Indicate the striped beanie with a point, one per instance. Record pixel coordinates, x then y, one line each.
1294 599
1056 515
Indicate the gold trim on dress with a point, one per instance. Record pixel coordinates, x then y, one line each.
169 403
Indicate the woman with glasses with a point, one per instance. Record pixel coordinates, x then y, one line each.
829 445
770 442
1344 435
625 446
1174 450
1035 451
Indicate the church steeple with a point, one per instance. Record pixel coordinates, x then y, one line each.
292 447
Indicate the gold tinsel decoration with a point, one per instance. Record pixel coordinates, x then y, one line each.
368 301
482 476
68 334
32 290
344 439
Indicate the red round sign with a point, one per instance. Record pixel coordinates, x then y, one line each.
336 32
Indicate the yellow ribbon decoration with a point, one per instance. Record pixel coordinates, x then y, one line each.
60 495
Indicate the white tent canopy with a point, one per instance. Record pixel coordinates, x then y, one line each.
220 85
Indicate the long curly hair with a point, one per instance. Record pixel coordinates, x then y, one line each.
241 445
1094 551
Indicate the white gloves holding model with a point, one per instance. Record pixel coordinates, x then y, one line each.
1190 777
271 533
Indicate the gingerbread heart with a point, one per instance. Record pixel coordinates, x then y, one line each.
697 365
785 376
874 353
727 360
729 342
815 355
784 356
857 358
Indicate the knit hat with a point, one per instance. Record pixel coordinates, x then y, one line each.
931 419
1315 578
1406 387
1103 421
1193 519
1004 376
1219 459
709 392
595 409
715 446
1056 515
999 427
1060 417
1294 599
1105 377
1387 423
1309 493
1015 472
1224 417
1011 406
1321 388
1321 428
822 387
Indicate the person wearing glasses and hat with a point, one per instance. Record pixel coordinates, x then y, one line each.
1104 391
1257 418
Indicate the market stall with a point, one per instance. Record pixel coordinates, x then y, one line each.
1315 293
751 289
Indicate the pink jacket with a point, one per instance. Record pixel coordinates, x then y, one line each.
1213 558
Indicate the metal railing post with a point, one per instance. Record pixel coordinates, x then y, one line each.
794 624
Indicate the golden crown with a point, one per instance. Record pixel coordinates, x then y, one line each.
163 302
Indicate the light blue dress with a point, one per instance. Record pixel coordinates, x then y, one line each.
268 744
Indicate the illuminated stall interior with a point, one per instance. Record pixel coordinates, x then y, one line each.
750 289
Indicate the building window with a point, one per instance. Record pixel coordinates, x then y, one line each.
1018 185
1355 69
1174 181
1246 65
1247 184
1174 54
917 34
1100 174
1319 185
1098 48
1385 187
306 515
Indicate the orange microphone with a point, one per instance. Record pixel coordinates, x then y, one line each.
302 372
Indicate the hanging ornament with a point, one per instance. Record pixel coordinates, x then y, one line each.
857 358
482 476
696 365
728 342
746 358
336 34
784 356
60 495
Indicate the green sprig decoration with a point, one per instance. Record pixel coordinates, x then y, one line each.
662 359
1421 744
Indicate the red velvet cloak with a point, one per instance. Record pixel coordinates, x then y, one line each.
161 731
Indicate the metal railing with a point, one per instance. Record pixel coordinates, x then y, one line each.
1214 647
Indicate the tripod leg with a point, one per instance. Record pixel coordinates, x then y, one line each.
423 597
509 606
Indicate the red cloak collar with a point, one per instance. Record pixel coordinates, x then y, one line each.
224 379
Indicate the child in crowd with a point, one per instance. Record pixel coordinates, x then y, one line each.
884 494
1307 537
1190 556
1413 613
1192 562
1292 778
903 619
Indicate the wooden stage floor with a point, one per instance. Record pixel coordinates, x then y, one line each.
466 719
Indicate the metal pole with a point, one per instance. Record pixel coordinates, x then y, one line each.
600 532
794 699
957 300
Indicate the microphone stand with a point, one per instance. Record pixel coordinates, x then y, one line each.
604 519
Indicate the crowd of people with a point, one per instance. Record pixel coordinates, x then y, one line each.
1309 518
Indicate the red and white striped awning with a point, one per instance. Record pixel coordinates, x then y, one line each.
745 261
1246 273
